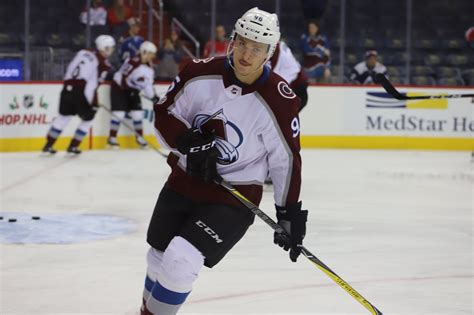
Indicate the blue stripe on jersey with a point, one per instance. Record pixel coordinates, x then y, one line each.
164 295
149 284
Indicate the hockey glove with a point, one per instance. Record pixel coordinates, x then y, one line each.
155 99
293 220
201 154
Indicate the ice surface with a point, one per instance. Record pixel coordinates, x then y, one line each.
396 225
60 228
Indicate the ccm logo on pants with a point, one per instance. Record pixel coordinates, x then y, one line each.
209 231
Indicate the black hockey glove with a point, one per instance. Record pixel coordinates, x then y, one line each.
293 220
155 99
201 154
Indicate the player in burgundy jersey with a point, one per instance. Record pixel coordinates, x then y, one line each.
229 117
78 97
135 76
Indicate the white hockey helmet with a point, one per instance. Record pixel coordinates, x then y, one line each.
147 47
259 26
102 42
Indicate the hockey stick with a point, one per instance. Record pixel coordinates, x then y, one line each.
277 228
381 79
126 124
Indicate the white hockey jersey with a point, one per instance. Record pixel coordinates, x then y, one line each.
257 129
87 69
285 64
135 75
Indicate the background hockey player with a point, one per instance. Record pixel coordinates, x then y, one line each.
83 75
229 117
134 76
284 63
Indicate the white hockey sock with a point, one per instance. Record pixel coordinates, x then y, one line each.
82 130
58 125
154 259
137 117
115 122
176 275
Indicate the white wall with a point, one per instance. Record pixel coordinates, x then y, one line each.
28 109
347 111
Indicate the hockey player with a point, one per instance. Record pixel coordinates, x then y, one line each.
134 76
229 117
83 75
285 65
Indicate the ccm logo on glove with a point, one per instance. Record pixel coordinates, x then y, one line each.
202 148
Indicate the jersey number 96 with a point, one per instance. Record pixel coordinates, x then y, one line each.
295 126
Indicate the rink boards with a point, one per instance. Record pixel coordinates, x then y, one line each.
335 117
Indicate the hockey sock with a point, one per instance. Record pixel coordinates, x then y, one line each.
149 284
115 123
154 259
137 117
56 128
178 271
80 133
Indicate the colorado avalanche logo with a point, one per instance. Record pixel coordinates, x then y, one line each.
228 135
285 90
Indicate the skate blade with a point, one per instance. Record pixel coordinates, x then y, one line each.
113 147
72 154
47 154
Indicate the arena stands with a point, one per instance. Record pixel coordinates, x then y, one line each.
440 54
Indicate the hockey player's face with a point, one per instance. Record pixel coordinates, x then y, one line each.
147 57
248 55
107 51
371 61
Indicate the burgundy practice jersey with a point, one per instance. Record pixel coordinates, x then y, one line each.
87 70
285 65
135 75
257 127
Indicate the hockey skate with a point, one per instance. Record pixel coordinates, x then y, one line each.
141 142
113 143
48 150
74 150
